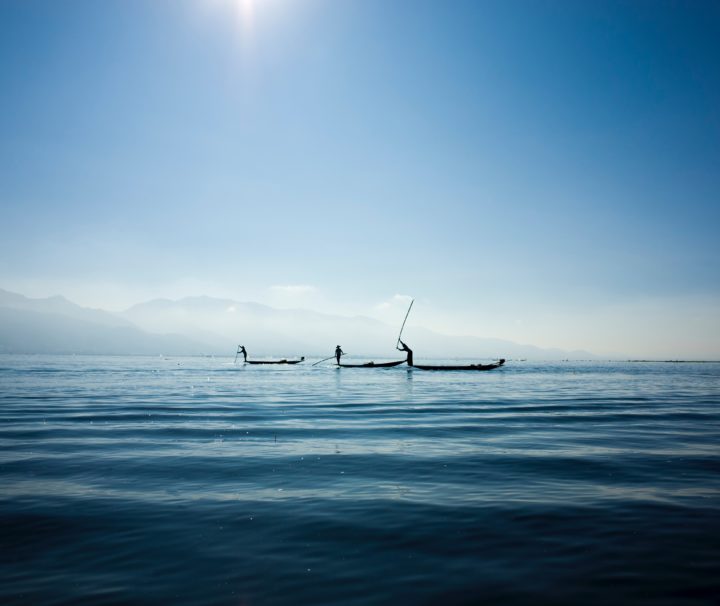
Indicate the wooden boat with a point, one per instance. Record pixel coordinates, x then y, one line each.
275 361
373 365
497 364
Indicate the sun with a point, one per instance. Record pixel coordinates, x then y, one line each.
246 8
244 15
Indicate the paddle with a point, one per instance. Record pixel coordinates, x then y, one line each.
325 360
403 324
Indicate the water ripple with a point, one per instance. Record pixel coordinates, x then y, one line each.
568 483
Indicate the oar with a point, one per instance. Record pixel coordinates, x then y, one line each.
325 360
236 355
405 320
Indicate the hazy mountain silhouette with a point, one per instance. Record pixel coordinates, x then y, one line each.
223 323
195 325
55 325
60 305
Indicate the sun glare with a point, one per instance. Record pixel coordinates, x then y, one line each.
240 12
246 8
245 15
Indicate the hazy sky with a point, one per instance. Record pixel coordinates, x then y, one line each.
546 172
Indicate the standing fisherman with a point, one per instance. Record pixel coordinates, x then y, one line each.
243 351
338 352
409 353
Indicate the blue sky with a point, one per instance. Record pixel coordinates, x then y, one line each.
546 172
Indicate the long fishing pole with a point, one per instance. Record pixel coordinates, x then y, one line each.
325 360
405 320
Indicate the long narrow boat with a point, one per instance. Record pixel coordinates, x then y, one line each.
497 364
373 365
275 361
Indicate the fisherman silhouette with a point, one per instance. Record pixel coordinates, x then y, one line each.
243 351
339 352
409 353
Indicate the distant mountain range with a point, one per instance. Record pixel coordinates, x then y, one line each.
56 325
205 325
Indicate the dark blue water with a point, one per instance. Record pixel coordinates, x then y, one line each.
190 481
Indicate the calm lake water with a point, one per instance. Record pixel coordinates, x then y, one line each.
193 481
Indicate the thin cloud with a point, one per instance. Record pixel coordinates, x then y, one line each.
394 301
